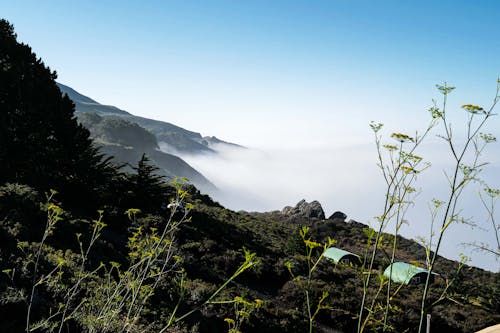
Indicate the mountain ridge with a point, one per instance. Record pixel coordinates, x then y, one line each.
127 141
164 131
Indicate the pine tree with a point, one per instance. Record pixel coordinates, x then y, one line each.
41 143
147 184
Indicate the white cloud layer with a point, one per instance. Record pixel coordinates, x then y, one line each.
346 178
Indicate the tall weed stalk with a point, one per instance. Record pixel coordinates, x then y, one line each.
108 298
399 166
463 172
306 284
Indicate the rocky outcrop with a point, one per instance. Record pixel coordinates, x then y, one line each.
311 209
338 215
357 224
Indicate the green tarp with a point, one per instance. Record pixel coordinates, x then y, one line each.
403 272
337 254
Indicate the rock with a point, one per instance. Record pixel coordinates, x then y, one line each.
357 224
338 215
287 210
305 209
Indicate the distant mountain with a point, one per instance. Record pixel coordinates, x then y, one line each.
126 141
171 137
126 137
87 104
213 142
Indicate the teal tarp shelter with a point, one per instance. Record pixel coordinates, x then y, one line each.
342 256
406 273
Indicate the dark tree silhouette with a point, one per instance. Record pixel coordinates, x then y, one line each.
147 185
41 143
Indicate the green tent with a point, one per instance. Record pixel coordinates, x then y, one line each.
406 273
342 256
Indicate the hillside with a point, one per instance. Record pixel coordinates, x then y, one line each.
126 137
210 247
176 138
126 141
211 244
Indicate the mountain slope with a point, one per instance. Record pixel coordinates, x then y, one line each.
178 138
126 141
87 104
211 247
213 141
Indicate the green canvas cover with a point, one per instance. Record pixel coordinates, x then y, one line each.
403 272
337 254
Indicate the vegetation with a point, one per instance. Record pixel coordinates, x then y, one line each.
86 247
126 142
400 166
312 265
463 172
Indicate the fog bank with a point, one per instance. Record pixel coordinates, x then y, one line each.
345 178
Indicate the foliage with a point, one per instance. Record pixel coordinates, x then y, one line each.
489 197
116 130
147 188
42 143
400 167
464 171
312 264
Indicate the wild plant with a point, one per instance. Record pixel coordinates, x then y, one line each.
106 297
464 171
489 198
110 302
399 166
400 172
54 213
242 311
249 262
312 259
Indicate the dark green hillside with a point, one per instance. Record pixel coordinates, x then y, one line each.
211 243
126 137
126 142
114 130
210 246
176 166
113 251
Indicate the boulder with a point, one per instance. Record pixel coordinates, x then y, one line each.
338 215
357 224
303 208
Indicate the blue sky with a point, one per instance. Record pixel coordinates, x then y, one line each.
252 71
302 76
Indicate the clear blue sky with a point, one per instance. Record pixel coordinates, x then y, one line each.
268 70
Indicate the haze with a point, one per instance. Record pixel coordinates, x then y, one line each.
346 178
